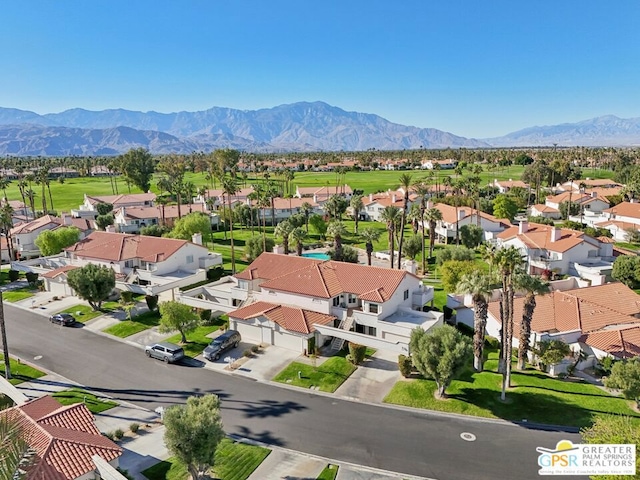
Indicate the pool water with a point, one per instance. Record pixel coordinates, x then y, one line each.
317 256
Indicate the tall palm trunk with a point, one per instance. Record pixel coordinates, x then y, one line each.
369 247
481 309
233 256
5 345
391 245
50 197
432 237
525 330
424 261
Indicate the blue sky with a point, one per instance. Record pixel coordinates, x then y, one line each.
473 68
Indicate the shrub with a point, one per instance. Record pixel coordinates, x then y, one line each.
109 435
255 348
13 275
152 302
606 364
55 298
357 353
32 278
492 342
118 433
205 317
459 253
215 273
247 353
126 296
464 329
134 427
405 365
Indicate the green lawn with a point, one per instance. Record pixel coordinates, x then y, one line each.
19 371
197 340
329 473
234 461
536 397
139 323
85 314
76 395
18 294
328 376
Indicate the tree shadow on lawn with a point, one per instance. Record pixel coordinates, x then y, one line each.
522 407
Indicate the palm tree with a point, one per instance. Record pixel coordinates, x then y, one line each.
306 208
336 229
508 260
421 189
488 254
6 224
284 229
17 456
406 180
370 235
230 188
357 205
432 216
478 285
5 345
297 237
390 216
532 286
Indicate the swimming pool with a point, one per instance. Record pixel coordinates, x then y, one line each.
317 256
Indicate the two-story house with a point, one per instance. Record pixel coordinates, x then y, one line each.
504 186
322 194
25 234
454 218
216 197
88 208
375 203
560 250
620 219
283 208
132 219
324 300
588 202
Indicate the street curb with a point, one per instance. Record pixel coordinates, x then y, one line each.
495 421
331 461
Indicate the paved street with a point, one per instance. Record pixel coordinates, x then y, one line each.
402 440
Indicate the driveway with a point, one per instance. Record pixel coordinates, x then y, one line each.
373 380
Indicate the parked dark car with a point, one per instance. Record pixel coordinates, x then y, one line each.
64 319
165 351
228 340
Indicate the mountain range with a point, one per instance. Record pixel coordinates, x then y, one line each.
302 126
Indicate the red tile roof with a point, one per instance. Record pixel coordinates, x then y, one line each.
625 209
585 309
621 343
123 199
63 437
58 271
539 237
450 214
324 279
44 221
545 208
158 211
290 318
117 247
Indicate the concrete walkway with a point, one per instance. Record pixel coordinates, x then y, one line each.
373 380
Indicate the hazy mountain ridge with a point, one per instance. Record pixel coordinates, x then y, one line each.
303 126
604 131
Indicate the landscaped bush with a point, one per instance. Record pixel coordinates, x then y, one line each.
215 273
405 365
32 278
126 296
247 353
462 327
255 348
357 353
459 253
152 301
118 433
134 427
109 435
13 275
491 342
205 316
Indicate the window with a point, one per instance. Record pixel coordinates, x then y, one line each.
242 284
336 301
128 264
373 308
406 294
189 258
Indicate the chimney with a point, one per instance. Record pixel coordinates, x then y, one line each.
594 194
124 212
110 229
461 214
429 204
371 197
279 249
66 219
555 234
393 198
197 238
315 198
411 266
511 179
523 227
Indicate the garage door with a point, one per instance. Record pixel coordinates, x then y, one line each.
249 333
287 340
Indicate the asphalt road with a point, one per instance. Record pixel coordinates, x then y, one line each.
399 440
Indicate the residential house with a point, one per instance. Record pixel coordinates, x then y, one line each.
591 183
375 203
545 211
601 320
102 171
624 216
589 203
216 197
132 219
322 194
448 164
88 208
374 306
560 250
283 208
504 186
25 234
142 264
63 172
454 218
64 439
19 208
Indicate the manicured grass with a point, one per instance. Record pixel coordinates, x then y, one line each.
536 397
234 461
19 371
18 294
85 314
197 340
328 376
329 473
139 323
75 395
